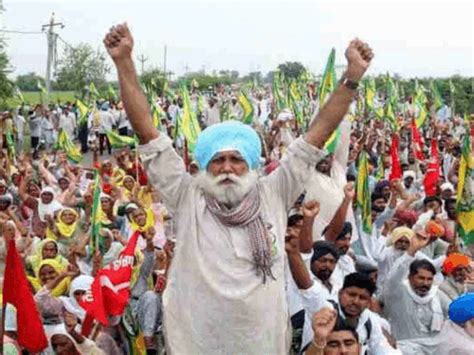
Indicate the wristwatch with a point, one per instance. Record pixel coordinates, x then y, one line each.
350 84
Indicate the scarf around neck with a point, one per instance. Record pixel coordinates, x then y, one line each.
432 296
248 215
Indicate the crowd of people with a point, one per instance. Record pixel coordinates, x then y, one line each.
256 243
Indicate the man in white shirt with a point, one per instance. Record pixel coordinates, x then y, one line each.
107 122
35 129
19 121
212 114
67 122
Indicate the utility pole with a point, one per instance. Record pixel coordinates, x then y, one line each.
186 68
51 37
142 59
165 54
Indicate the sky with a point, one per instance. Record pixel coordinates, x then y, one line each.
410 38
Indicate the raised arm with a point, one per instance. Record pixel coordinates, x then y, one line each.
358 56
310 211
337 222
297 266
119 44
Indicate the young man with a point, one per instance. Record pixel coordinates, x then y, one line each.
332 337
231 225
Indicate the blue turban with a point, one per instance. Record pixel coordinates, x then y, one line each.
462 308
227 136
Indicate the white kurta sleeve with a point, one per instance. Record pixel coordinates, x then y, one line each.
165 169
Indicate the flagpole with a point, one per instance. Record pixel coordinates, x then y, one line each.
2 328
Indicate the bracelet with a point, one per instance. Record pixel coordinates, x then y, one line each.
319 346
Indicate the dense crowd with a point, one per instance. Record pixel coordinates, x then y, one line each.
257 240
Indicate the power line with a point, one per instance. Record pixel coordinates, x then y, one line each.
23 32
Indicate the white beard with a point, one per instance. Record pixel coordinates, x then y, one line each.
230 194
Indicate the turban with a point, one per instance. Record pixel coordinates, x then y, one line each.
406 217
462 308
399 233
447 186
453 261
228 136
409 173
321 248
434 229
285 115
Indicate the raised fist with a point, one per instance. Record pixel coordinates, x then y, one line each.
119 42
358 56
311 208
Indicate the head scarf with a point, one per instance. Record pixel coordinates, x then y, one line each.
150 221
409 173
447 186
48 208
62 287
228 136
461 309
398 233
454 260
67 230
36 259
58 329
80 283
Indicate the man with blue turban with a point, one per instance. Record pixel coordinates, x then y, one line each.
226 288
457 335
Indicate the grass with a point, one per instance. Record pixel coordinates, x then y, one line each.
34 97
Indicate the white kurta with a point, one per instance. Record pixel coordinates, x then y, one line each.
214 302
329 190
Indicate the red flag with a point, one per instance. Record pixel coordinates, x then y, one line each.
396 170
432 171
16 291
417 141
110 291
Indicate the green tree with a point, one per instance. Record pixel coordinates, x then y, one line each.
6 86
29 82
291 70
80 66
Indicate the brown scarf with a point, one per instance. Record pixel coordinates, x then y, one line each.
248 215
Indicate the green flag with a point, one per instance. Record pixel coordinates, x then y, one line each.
247 107
328 81
93 93
370 91
465 194
437 100
65 144
95 218
83 112
111 93
117 141
189 123
363 193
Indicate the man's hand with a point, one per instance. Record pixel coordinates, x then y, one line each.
119 42
418 242
323 323
349 191
70 321
292 242
311 208
358 55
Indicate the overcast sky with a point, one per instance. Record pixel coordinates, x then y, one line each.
411 38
